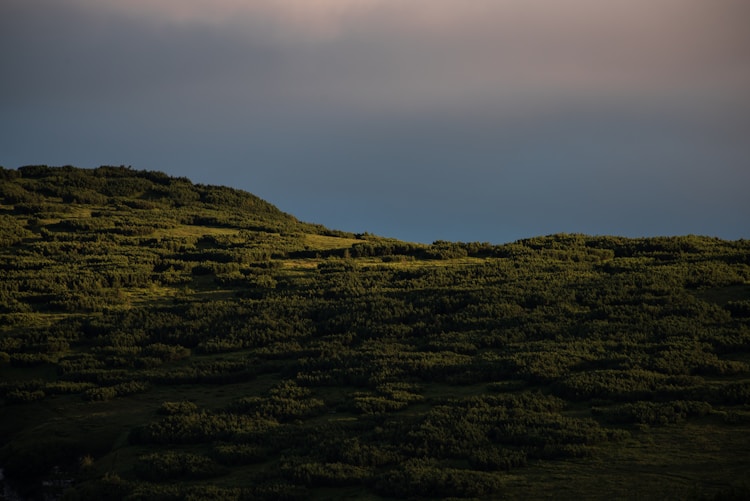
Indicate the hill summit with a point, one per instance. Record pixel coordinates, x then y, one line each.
166 340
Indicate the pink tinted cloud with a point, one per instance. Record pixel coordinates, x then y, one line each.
547 21
309 19
456 49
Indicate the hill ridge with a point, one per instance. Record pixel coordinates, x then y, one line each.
161 339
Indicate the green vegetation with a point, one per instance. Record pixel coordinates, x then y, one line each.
165 340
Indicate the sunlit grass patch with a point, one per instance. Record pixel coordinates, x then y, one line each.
306 264
187 231
324 242
405 262
154 294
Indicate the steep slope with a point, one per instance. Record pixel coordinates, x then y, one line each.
160 338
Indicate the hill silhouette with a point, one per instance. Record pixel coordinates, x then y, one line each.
164 340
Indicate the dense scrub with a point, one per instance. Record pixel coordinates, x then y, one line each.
159 338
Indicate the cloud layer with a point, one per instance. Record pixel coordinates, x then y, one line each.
481 120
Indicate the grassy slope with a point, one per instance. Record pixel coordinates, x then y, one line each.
83 248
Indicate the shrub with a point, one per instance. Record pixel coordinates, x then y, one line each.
23 396
239 454
423 479
181 407
496 459
655 413
169 465
317 474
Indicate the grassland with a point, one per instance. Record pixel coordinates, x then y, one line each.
165 340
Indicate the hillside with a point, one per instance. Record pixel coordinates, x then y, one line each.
161 340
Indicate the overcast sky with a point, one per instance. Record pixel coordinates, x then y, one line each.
480 120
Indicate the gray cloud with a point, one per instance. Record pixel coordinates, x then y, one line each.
384 52
487 120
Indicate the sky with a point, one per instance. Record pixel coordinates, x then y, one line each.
423 120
